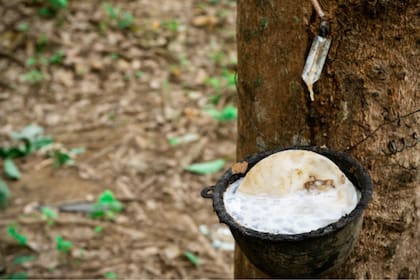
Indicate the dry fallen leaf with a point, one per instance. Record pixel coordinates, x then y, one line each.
239 167
190 112
204 20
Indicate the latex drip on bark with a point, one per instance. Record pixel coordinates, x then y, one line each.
316 58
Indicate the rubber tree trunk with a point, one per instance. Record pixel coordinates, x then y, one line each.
366 103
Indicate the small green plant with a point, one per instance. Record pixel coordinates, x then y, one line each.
4 194
41 43
52 7
171 25
28 140
58 4
57 57
187 138
106 206
63 246
110 275
22 27
33 76
215 83
31 61
33 138
229 78
63 157
11 170
16 275
123 20
192 258
204 168
20 238
113 12
139 74
226 80
23 259
98 229
229 113
218 57
49 215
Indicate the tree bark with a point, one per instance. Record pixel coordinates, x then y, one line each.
366 102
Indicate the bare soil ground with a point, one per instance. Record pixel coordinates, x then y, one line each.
119 93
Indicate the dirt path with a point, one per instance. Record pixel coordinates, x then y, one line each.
119 93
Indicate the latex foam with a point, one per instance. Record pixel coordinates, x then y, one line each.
291 192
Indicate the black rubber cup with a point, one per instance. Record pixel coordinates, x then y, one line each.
298 255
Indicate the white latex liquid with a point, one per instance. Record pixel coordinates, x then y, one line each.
296 212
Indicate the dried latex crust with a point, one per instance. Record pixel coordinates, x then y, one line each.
287 171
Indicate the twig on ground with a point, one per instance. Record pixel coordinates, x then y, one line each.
318 8
12 58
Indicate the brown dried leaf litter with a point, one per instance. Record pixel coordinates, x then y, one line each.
99 101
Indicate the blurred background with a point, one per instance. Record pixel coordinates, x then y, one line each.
113 116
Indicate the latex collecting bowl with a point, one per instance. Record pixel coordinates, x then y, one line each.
298 255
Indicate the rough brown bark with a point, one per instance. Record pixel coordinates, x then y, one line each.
367 100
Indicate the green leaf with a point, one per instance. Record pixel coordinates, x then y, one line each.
45 12
33 138
191 137
230 78
228 113
49 215
23 259
4 194
58 4
206 167
77 151
192 258
213 112
110 275
215 98
98 229
40 143
23 27
126 21
139 74
106 206
171 25
218 56
57 57
216 83
111 11
173 141
12 172
29 132
63 246
31 61
16 275
12 152
61 158
82 252
42 40
20 238
33 76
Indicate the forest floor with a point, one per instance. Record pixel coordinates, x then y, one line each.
131 82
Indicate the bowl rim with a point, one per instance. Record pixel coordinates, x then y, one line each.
358 170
